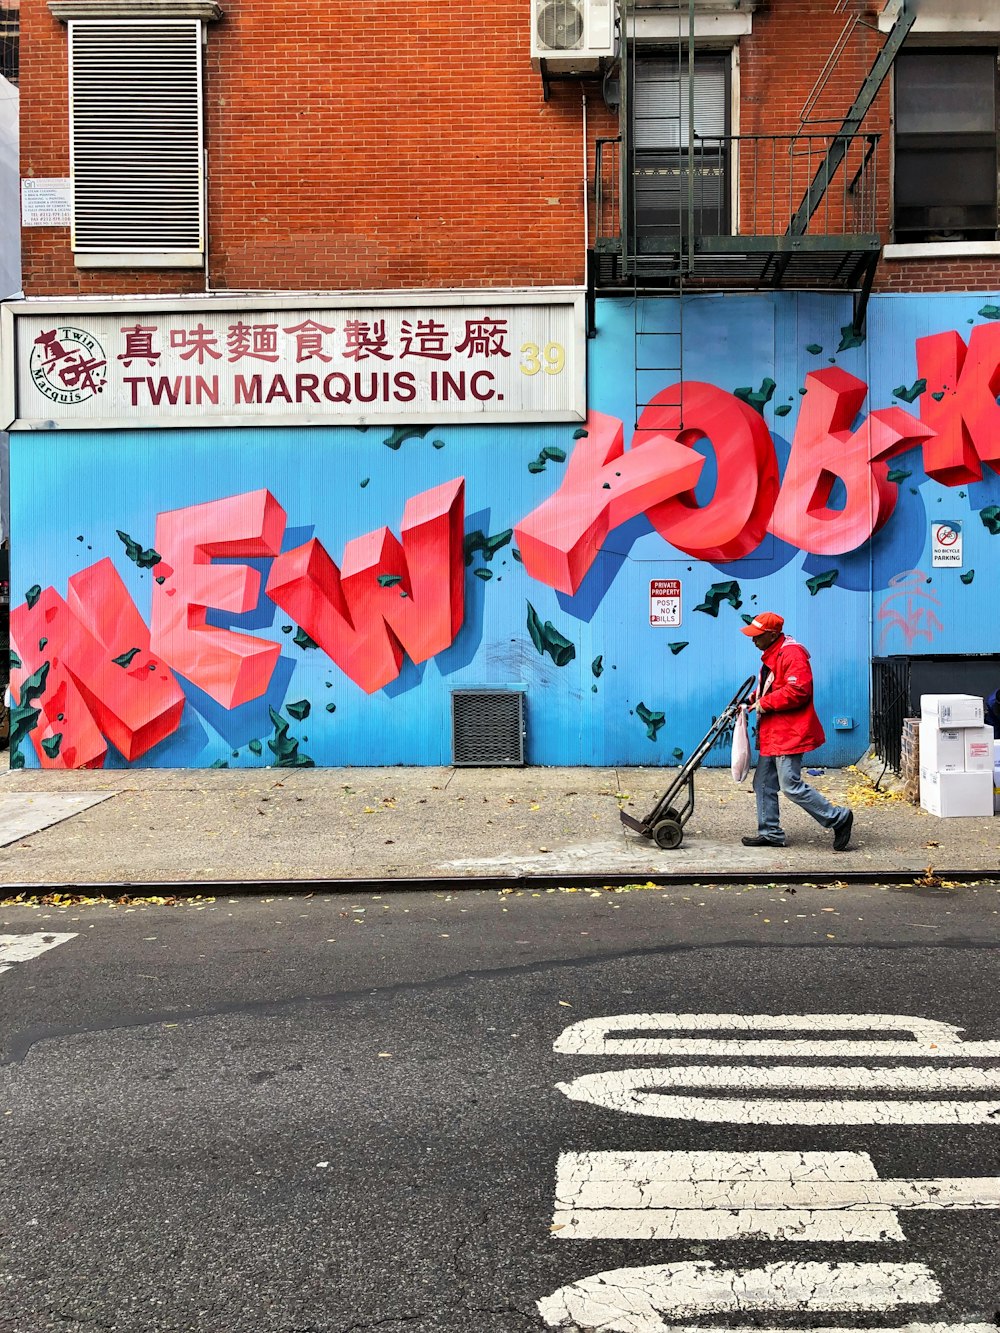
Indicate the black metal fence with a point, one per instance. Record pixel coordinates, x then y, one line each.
890 704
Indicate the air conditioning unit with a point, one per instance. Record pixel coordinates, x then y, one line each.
571 36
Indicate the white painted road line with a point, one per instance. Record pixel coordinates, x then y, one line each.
22 948
722 1196
638 1092
929 1039
640 1300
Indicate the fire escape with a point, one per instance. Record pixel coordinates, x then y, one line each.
682 205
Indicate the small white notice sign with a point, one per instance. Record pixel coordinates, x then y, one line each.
946 544
665 603
46 202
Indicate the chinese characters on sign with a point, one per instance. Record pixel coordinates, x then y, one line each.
398 363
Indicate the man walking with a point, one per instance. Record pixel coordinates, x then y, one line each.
787 727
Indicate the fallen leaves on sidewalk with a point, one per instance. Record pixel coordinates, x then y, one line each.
84 900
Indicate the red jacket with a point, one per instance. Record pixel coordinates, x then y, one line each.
788 722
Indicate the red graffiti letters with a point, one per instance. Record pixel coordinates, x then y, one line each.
232 668
960 403
734 521
602 487
134 701
389 596
824 448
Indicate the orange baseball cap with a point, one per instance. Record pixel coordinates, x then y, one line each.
763 624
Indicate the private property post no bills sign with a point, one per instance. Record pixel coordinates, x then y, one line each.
946 544
665 603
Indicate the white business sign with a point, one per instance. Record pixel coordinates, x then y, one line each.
946 544
431 358
46 201
665 603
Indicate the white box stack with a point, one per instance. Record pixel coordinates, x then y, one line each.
996 777
957 773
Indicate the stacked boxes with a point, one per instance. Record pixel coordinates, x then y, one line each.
996 777
956 756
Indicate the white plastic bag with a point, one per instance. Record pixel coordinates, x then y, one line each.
740 765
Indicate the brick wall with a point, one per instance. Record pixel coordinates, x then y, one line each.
350 150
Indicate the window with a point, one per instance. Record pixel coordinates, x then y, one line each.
136 142
661 170
945 166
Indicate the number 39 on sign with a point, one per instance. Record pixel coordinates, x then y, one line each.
665 603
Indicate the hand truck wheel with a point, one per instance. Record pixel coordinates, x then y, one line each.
668 834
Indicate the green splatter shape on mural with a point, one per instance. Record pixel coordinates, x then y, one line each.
438 444
303 640
850 337
15 661
389 580
553 453
747 620
938 396
403 433
825 580
597 666
580 433
145 559
989 311
477 541
897 474
547 639
364 482
41 645
968 576
219 763
912 393
33 594
803 391
484 574
991 519
286 629
24 718
52 744
517 555
125 659
300 710
813 349
782 411
593 689
537 465
255 747
653 720
727 591
161 578
331 708
285 748
678 647
677 752
757 400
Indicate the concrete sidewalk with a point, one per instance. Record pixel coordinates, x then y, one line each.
145 826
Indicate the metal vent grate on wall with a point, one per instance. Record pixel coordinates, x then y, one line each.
136 136
487 727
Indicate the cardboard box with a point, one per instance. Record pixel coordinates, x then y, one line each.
943 751
978 743
952 710
956 795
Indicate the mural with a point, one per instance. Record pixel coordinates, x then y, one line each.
291 596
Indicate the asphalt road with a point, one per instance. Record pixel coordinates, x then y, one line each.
336 1114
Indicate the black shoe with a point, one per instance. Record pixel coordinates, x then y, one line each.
842 832
758 841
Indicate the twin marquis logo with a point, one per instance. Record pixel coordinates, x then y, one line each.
68 364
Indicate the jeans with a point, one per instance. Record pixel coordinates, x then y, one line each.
783 773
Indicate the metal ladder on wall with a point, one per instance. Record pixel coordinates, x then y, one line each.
665 109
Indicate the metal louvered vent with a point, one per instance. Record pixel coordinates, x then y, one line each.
136 136
487 728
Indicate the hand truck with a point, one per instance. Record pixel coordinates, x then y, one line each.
665 822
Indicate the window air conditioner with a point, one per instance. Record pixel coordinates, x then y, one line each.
571 36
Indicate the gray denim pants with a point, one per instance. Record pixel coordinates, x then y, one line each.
783 773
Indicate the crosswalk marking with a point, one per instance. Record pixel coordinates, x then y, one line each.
639 1300
929 1038
22 948
722 1196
